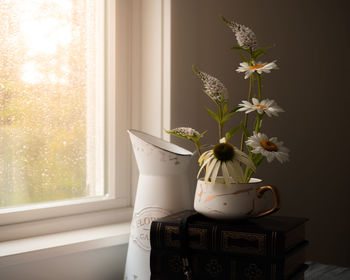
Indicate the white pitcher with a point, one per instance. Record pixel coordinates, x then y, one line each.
163 188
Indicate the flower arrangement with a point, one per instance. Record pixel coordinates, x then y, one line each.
224 156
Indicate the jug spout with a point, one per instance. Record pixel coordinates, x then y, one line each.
156 156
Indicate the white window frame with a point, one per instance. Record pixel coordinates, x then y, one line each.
51 217
138 70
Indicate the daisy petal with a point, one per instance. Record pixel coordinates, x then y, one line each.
225 173
255 101
215 172
205 164
237 172
210 169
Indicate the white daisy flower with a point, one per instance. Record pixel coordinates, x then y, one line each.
228 158
212 86
184 132
259 67
267 106
269 148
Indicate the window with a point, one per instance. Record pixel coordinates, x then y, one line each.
62 120
51 107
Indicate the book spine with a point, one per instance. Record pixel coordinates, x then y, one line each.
168 265
155 235
216 238
293 237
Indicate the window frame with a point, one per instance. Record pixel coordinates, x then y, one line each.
142 44
44 218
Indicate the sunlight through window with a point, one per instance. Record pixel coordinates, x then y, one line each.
51 115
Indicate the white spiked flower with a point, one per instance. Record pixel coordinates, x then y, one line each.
269 148
259 67
228 158
185 132
244 35
213 87
267 106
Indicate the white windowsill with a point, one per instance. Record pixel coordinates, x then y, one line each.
52 245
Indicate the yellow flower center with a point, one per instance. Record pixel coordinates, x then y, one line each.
260 106
253 67
269 146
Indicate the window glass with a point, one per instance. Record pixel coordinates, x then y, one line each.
51 123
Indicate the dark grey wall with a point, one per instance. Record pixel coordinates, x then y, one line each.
312 85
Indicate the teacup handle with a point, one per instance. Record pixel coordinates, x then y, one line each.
276 199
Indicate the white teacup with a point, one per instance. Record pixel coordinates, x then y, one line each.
236 201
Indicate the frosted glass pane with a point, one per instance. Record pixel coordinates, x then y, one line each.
47 64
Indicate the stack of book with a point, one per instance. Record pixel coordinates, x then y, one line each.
268 248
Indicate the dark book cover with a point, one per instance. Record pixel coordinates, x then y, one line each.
167 265
271 236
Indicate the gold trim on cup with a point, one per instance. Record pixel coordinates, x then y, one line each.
276 199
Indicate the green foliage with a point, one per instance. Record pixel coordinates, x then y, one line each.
232 132
245 130
227 116
214 115
240 49
257 123
243 57
222 114
43 138
194 139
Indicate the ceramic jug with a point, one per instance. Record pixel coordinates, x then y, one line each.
163 188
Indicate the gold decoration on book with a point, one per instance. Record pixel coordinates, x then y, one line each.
214 268
256 241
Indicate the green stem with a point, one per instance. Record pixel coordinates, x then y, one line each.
249 172
259 86
220 112
198 147
246 115
259 118
247 169
246 175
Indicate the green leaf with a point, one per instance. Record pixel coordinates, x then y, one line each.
178 135
206 145
195 70
202 134
225 20
257 159
245 131
268 47
235 109
225 108
258 53
232 132
236 48
226 117
240 49
215 116
243 57
232 112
